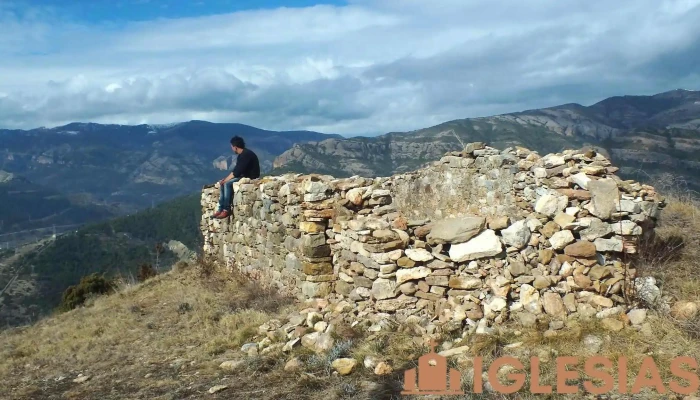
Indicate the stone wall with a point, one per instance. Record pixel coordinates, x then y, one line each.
478 237
474 181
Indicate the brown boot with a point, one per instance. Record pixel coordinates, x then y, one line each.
223 214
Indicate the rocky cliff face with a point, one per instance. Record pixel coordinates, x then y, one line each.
645 135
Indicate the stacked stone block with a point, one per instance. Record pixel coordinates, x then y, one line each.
517 236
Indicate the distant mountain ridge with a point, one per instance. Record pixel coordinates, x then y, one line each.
136 166
645 135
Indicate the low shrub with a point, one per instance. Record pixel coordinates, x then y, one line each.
146 271
89 286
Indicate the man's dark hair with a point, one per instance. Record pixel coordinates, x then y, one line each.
237 141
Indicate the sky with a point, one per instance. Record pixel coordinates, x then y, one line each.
356 67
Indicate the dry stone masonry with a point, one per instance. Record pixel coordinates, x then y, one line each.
476 238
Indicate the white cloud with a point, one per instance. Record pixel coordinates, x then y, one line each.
368 67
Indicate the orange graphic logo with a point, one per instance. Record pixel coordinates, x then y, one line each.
432 376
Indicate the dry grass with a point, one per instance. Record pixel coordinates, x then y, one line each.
674 256
164 339
172 327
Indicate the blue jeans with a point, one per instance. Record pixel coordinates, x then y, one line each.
226 192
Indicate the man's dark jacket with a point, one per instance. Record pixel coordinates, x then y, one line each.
247 165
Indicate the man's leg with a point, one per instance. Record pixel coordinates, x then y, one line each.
226 197
221 199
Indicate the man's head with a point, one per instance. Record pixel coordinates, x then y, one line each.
237 144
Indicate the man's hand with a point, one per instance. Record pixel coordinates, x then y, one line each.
227 178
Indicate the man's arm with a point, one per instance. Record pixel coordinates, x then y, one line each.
228 177
242 164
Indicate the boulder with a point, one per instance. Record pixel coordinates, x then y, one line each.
564 219
612 324
647 290
581 179
344 366
398 303
312 227
530 299
637 316
599 272
384 289
405 262
422 231
383 368
496 304
518 268
592 344
355 196
684 310
553 305
455 351
464 282
517 235
411 274
604 198
608 245
485 244
314 289
581 248
455 230
541 282
595 229
498 223
217 389
318 342
626 228
551 204
419 255
560 239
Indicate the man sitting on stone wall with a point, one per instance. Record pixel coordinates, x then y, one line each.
247 166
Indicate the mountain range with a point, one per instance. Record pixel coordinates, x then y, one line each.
93 171
135 165
85 172
649 137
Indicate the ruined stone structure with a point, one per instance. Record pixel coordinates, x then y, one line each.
478 237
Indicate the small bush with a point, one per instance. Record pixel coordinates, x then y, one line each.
691 327
88 286
347 391
180 266
205 267
323 362
184 308
146 271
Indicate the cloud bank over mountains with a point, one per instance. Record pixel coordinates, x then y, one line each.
363 68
